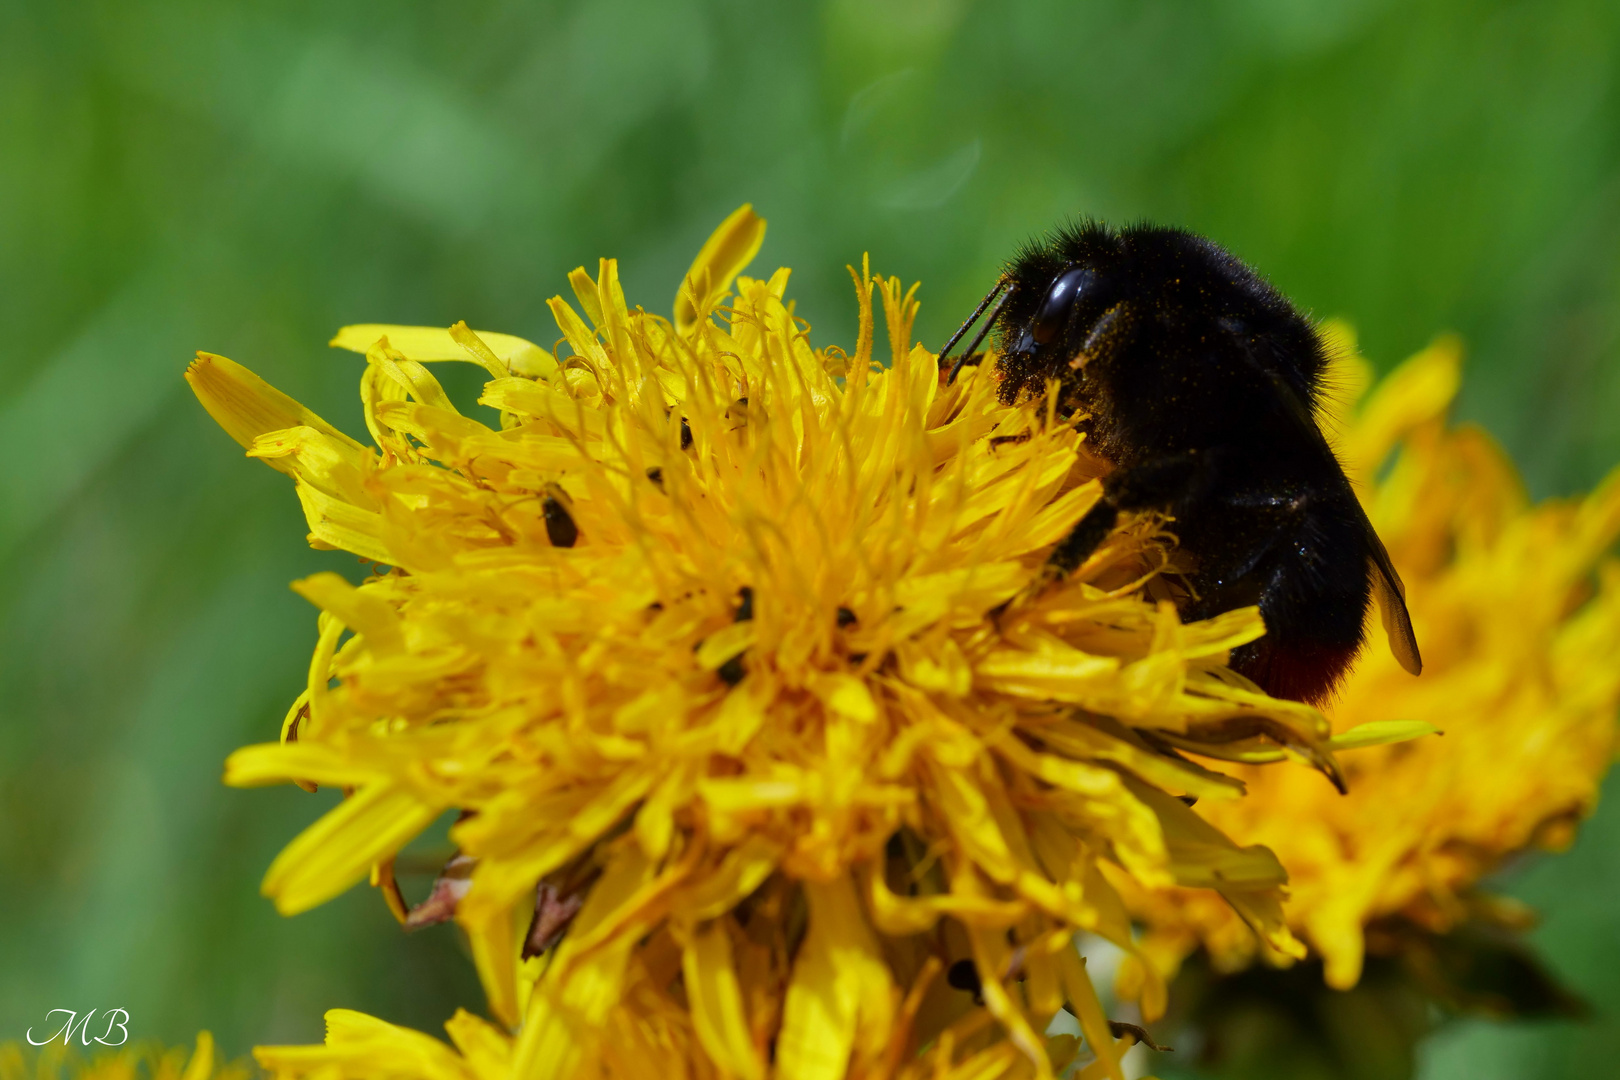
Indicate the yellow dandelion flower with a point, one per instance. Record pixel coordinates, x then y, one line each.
740 660
1518 609
135 1061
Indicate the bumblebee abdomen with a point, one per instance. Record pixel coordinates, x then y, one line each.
1313 592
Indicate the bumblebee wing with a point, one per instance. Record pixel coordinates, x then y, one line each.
1391 596
1386 582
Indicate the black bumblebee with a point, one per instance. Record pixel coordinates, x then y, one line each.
1199 382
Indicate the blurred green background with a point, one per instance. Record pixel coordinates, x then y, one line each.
245 178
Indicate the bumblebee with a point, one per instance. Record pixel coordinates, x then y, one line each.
1200 384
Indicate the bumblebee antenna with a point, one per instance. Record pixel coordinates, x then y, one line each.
990 320
1002 287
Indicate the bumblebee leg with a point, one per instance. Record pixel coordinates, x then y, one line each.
1169 482
1083 539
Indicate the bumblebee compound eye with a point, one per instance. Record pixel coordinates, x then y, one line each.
1054 310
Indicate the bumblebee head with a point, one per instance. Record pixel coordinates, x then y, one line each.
1042 303
1063 295
1073 304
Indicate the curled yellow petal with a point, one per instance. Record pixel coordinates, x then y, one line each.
729 248
431 343
338 850
201 1065
840 998
359 1046
360 610
717 1005
246 406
